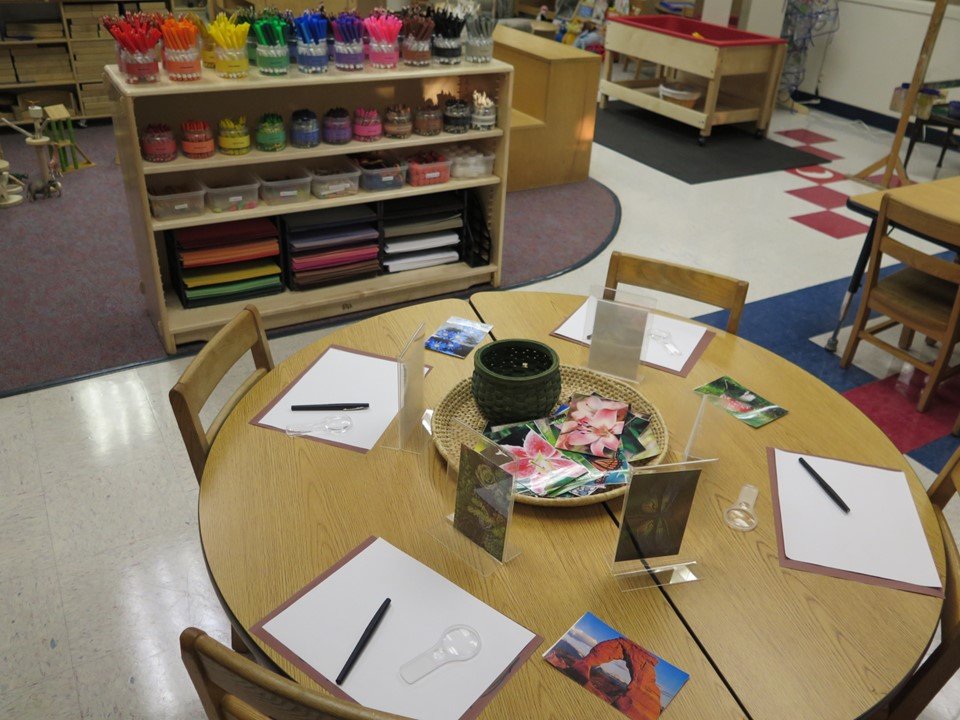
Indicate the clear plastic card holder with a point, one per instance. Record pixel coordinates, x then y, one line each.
408 432
698 428
653 520
478 531
616 324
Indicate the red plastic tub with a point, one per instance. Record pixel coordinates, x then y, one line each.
685 28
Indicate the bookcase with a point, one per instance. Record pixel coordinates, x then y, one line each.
212 98
54 52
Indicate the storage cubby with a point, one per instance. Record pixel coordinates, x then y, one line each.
212 98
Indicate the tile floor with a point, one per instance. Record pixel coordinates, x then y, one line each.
101 566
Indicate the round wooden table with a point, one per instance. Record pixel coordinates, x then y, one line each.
758 640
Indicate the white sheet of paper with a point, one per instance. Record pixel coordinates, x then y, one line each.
880 536
323 626
343 376
684 335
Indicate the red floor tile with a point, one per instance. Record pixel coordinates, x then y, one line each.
833 224
892 405
820 195
817 174
878 180
808 137
819 152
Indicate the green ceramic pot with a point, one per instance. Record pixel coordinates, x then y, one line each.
515 380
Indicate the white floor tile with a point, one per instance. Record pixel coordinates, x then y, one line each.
120 687
33 636
24 536
55 698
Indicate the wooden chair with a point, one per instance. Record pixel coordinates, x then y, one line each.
924 297
718 290
232 687
245 332
943 662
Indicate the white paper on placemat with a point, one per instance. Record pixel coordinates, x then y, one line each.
685 336
322 627
342 376
881 535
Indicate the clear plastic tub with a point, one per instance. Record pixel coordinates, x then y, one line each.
285 187
336 179
470 163
386 178
229 197
179 200
680 93
428 173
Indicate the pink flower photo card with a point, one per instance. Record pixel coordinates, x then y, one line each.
592 426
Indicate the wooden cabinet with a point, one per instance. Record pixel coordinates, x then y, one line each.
212 98
554 109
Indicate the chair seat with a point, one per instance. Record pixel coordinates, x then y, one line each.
917 299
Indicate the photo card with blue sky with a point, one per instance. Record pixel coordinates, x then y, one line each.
617 670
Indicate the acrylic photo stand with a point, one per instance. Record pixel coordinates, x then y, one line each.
471 496
653 521
617 327
408 433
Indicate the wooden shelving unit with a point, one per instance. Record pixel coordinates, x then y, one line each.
211 98
86 106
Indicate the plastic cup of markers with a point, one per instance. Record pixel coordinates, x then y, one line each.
447 51
479 49
273 59
182 64
312 58
348 55
416 52
232 62
384 55
140 67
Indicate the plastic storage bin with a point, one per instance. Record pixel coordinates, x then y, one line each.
381 172
167 201
285 188
228 197
336 179
470 163
428 169
680 94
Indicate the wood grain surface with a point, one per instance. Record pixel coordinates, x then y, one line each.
790 644
276 511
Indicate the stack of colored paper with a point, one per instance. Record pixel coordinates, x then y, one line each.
227 261
422 232
326 246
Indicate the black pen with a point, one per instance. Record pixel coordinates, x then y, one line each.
826 488
364 639
332 406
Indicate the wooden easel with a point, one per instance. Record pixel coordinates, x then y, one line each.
60 127
891 162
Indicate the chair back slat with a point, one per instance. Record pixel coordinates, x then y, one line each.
919 260
707 287
231 686
243 333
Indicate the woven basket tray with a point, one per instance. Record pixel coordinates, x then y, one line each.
459 405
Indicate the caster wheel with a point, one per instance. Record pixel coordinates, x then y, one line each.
701 141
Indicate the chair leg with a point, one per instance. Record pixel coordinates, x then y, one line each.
906 337
237 643
956 427
933 379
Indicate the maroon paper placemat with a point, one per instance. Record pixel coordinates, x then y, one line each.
683 372
823 569
471 713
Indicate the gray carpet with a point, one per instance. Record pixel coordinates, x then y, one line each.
671 147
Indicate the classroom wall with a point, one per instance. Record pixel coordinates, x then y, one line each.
876 48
